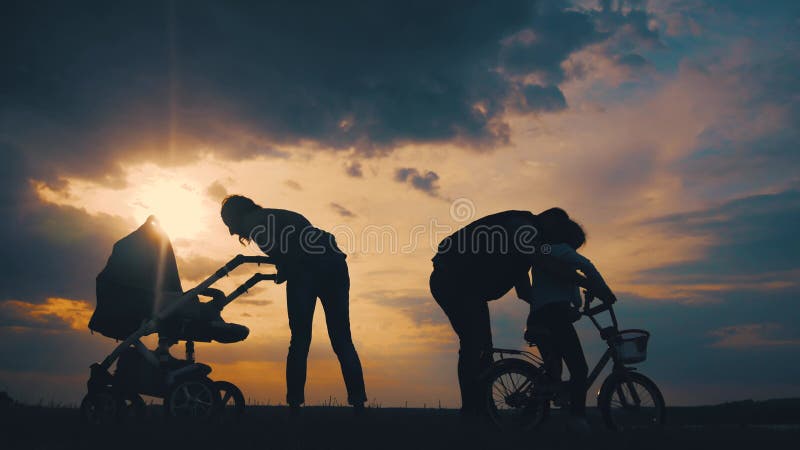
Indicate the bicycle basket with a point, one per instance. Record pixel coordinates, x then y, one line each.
631 346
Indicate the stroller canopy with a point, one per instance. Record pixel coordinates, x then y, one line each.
141 266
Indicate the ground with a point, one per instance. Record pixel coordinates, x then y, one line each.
28 427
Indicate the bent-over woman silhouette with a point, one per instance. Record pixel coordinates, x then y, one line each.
309 260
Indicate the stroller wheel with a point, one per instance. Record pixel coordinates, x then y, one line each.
130 408
196 399
99 408
231 405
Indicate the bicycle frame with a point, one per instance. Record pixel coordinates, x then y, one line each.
619 390
606 334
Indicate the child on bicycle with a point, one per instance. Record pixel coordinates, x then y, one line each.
555 304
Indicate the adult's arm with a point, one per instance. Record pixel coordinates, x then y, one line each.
523 288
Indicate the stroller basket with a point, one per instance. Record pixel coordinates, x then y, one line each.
631 346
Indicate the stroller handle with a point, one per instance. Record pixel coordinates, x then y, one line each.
252 281
238 260
149 326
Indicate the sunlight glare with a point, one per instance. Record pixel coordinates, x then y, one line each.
177 206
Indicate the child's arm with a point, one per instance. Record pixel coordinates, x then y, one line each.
594 282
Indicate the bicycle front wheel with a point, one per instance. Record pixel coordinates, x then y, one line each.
630 401
511 403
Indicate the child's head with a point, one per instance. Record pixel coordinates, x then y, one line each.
558 227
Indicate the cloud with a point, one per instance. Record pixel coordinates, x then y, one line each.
294 185
427 182
753 335
255 302
341 210
420 307
55 314
246 80
353 169
753 236
632 60
757 134
216 191
542 98
55 251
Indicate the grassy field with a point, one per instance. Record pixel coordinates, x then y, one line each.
730 427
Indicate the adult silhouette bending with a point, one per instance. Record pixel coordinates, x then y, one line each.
480 263
313 266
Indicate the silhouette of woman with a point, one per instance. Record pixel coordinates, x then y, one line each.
313 266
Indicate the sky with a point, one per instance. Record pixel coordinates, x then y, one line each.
668 129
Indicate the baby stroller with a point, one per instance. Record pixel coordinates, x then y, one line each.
139 293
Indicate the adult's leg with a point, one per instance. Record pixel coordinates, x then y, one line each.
477 344
301 298
469 318
335 298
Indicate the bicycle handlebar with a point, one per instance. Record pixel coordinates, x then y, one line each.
597 309
590 311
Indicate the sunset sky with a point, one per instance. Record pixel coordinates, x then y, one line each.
669 129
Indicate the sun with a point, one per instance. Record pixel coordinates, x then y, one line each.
178 206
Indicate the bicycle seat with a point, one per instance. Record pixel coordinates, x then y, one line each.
534 335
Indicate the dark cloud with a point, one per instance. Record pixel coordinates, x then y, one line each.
49 250
551 36
353 169
341 210
68 353
750 238
88 86
542 98
632 60
626 27
17 315
427 182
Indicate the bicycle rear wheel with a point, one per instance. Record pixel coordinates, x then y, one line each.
509 395
631 401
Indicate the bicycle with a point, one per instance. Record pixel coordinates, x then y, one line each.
627 399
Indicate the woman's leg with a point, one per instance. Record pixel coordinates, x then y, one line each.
301 299
335 298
